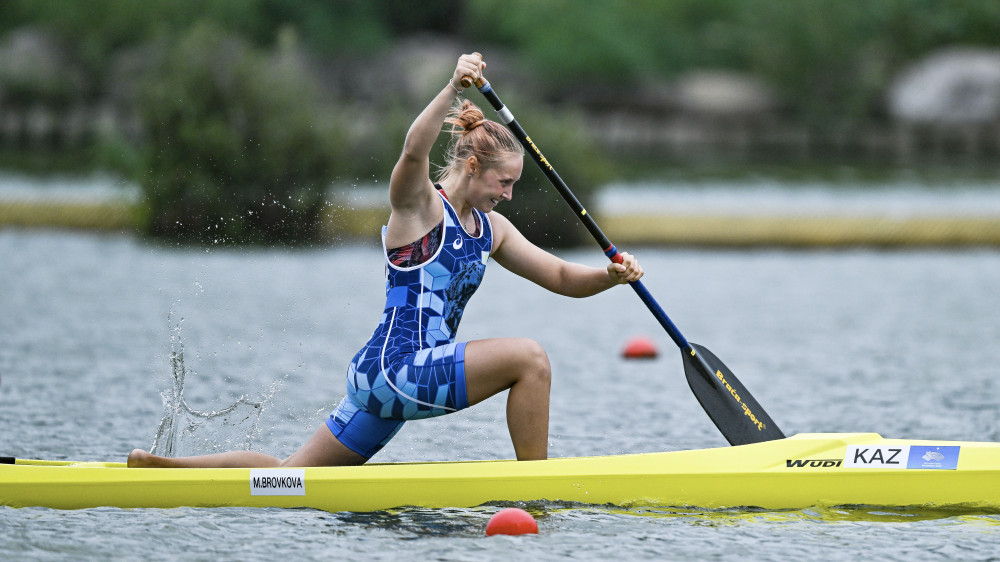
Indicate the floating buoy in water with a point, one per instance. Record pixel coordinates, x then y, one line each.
640 348
511 521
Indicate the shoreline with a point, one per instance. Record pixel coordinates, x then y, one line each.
697 215
650 229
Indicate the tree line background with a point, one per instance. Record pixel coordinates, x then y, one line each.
235 116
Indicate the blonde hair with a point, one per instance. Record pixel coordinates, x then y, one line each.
472 134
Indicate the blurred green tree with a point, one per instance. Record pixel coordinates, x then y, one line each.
238 146
829 60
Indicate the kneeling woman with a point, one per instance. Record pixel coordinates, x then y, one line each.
437 241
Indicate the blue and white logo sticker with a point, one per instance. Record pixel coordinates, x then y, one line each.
941 458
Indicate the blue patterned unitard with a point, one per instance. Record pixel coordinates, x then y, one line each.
411 367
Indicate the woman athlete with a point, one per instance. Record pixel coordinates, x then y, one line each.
437 241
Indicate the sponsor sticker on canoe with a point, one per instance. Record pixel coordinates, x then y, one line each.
902 456
277 482
813 463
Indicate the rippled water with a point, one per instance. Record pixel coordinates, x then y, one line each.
900 343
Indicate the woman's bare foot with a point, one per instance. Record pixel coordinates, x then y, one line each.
139 459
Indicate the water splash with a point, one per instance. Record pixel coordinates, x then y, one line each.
184 431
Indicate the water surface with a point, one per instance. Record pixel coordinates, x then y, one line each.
899 343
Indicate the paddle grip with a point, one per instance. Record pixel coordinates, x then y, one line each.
467 82
613 255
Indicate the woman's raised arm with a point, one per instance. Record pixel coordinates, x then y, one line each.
410 186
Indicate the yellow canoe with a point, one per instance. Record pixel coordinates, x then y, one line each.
800 471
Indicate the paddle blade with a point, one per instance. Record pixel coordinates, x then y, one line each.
730 405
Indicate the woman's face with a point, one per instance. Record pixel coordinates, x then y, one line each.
494 184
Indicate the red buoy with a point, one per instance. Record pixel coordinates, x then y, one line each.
511 521
640 348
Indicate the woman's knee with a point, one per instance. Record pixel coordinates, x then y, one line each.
535 360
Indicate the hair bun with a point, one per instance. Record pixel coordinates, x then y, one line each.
466 118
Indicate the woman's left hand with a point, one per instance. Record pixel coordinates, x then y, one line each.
625 272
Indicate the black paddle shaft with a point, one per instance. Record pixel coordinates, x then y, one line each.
727 402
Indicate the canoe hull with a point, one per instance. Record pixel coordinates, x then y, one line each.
801 471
